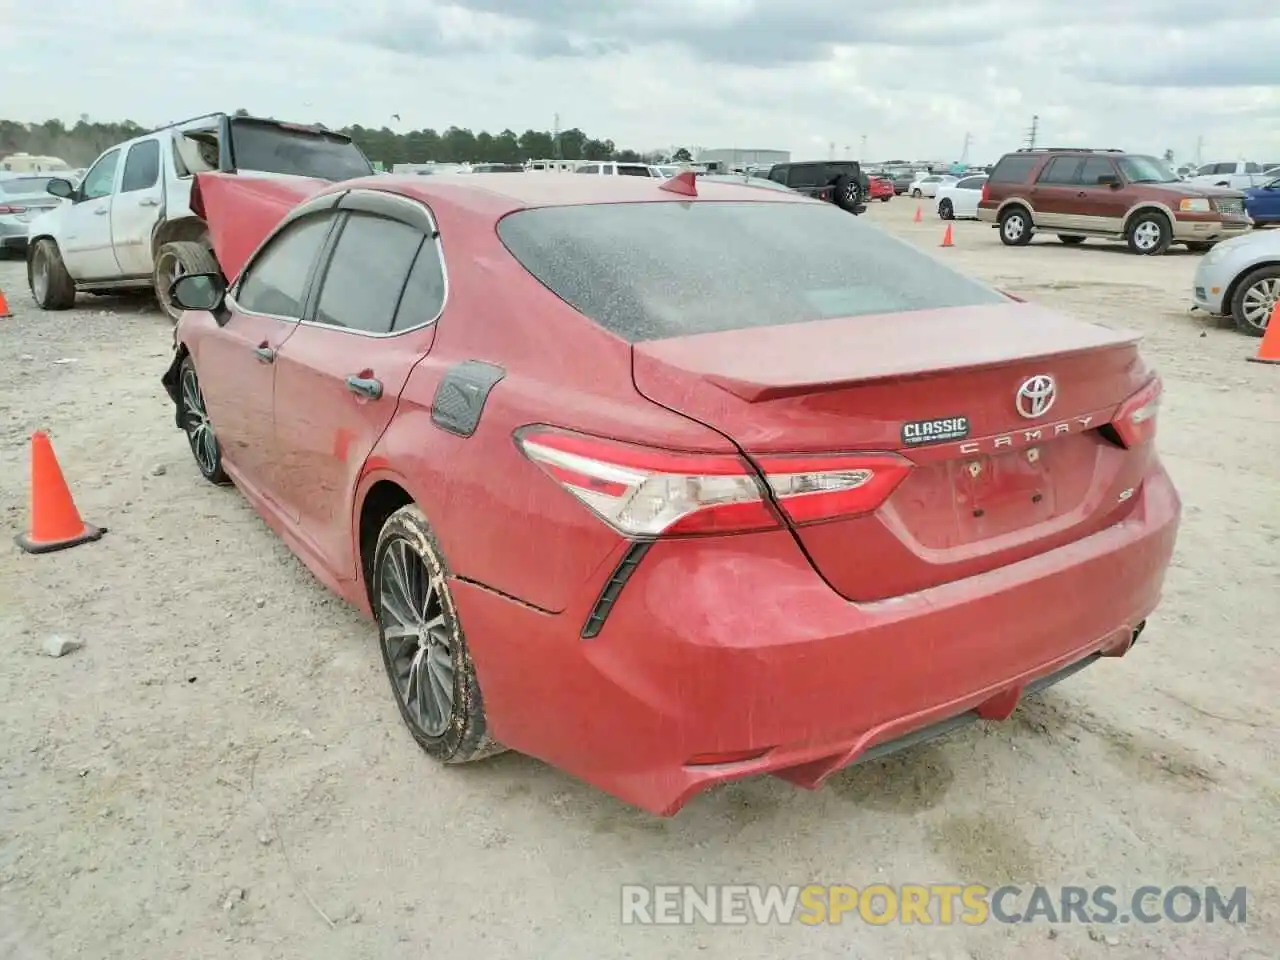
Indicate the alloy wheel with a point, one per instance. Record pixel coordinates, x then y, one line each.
1013 227
195 422
416 638
40 276
1146 236
1259 302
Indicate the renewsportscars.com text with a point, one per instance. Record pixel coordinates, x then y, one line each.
928 904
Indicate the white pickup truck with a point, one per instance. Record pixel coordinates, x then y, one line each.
129 224
1236 174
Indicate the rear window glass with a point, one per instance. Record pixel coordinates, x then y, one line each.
268 148
647 271
24 185
1014 169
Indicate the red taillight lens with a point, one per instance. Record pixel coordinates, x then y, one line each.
986 192
6 209
646 492
1135 421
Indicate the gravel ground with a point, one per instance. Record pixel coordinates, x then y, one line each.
220 771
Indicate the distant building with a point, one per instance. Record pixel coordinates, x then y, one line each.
736 159
26 163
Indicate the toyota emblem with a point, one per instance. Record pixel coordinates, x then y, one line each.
1036 396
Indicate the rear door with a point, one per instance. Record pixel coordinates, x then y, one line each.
1053 195
136 208
338 379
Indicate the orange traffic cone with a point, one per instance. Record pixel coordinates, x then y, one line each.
917 216
946 238
55 521
1269 348
5 312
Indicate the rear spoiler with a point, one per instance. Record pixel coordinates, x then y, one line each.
241 210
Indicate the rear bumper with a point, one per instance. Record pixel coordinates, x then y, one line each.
736 646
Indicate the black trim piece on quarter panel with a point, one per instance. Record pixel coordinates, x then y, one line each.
613 588
461 395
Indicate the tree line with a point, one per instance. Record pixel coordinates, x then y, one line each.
80 143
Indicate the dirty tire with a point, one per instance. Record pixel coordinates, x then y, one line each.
1015 227
177 259
407 536
1071 239
1254 301
205 449
1149 234
885 199
946 211
51 286
916 194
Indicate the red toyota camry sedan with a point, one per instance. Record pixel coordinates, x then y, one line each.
670 483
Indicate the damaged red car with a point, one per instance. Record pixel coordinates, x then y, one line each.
634 481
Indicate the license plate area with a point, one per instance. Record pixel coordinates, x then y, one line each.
1003 492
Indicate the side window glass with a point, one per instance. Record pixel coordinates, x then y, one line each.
1252 168
367 274
809 175
1225 168
589 168
1092 169
276 281
1060 170
778 175
101 178
423 296
141 166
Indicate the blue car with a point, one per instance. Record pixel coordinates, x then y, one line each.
1263 203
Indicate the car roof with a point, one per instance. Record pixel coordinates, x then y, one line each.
497 194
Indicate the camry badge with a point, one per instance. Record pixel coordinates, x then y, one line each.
1036 396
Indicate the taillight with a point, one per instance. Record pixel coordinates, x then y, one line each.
647 492
986 191
1135 421
4 209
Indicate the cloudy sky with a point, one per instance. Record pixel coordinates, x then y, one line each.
911 76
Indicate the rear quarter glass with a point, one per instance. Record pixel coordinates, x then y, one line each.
1015 168
652 271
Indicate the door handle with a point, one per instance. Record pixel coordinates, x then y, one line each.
264 353
152 202
365 387
100 212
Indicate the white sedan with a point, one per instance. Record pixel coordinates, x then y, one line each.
959 200
928 184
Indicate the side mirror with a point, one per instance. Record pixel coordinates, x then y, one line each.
1109 180
198 291
61 188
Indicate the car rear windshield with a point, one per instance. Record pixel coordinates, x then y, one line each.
21 186
648 271
271 148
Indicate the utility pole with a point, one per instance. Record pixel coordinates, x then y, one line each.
1035 129
555 138
964 154
831 150
862 148
1199 150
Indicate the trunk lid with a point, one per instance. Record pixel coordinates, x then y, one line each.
991 485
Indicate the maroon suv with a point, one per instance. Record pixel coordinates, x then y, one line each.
1108 194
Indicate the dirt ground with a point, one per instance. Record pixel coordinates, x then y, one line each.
220 772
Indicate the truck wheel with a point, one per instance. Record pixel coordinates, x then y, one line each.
1150 234
51 286
177 259
1015 227
848 193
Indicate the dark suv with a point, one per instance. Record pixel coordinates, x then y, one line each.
841 182
1110 194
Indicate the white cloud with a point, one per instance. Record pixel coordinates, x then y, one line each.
912 77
